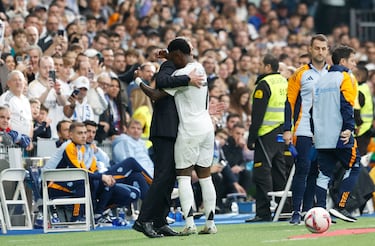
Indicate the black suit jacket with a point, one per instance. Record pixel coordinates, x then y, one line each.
165 118
45 42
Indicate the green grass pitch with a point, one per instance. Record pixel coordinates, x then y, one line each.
228 235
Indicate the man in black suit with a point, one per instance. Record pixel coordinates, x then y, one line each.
52 27
155 207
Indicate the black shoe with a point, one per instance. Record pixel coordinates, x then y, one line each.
343 214
167 231
258 219
146 228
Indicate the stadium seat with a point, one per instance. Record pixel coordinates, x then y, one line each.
17 206
62 175
283 194
2 221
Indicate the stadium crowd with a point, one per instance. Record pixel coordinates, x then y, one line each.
79 61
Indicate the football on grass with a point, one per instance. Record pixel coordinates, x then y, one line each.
317 220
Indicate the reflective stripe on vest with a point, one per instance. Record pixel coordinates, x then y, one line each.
274 115
366 110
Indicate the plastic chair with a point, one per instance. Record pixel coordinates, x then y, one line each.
284 194
2 221
12 206
62 175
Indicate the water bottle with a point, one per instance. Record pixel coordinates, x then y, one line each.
38 224
121 219
121 213
116 222
178 214
280 138
293 150
171 213
234 207
55 218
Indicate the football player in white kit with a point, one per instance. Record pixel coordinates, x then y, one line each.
195 139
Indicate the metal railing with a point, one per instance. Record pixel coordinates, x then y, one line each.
362 24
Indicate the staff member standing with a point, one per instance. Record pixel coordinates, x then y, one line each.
298 118
333 117
363 112
269 170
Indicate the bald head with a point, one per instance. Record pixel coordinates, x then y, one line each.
32 35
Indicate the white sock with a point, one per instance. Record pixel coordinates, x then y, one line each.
209 199
186 198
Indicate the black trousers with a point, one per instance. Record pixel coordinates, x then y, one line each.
155 206
268 176
362 142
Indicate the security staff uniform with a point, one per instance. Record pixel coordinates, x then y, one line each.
267 122
364 117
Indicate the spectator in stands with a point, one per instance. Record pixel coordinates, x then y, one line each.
119 63
143 109
35 53
218 116
131 145
100 41
210 66
78 108
51 92
225 99
145 72
50 37
21 118
33 20
82 66
132 59
8 136
243 72
20 42
91 27
95 62
9 64
234 150
113 120
114 41
16 22
42 128
232 120
96 97
240 104
108 59
63 132
119 67
9 61
303 60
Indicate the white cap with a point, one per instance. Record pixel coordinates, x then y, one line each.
91 52
81 82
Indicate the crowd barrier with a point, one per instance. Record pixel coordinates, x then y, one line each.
362 24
